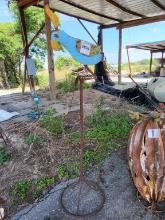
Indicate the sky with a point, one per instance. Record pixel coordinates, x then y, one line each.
139 34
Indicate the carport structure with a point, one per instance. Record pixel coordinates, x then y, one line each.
106 13
153 47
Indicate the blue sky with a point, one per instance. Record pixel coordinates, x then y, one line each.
139 34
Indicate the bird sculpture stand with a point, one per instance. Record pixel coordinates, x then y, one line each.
86 196
83 197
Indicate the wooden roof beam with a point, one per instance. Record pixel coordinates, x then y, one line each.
133 23
117 5
90 10
26 3
158 4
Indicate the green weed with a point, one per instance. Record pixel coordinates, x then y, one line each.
52 122
41 184
4 156
74 170
32 189
21 189
63 172
108 130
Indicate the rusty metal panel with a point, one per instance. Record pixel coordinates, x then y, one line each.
146 157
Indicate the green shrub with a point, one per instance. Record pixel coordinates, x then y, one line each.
63 62
52 122
4 156
68 84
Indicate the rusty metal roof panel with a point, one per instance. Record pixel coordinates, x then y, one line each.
158 46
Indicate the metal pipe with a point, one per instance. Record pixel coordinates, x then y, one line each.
81 129
86 30
120 56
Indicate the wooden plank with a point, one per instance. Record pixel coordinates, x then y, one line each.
121 7
26 3
120 56
52 84
133 23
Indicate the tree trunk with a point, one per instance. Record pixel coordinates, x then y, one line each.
3 76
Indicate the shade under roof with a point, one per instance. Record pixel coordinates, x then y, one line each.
158 46
108 12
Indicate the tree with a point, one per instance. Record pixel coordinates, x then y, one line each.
11 48
34 18
10 55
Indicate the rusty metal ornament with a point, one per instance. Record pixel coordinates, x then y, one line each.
146 157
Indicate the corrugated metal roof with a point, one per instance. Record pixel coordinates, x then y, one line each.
108 12
158 46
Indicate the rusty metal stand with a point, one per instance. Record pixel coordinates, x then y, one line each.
83 189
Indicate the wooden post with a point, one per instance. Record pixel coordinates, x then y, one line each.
25 44
50 55
120 56
162 63
101 38
151 61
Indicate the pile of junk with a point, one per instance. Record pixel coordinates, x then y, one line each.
149 94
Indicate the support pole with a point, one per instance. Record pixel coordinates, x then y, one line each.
120 56
151 58
162 63
50 55
25 44
100 38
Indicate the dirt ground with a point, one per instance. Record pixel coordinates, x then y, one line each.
37 160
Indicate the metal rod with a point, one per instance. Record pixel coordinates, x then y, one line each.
162 63
119 56
87 30
81 130
151 61
129 64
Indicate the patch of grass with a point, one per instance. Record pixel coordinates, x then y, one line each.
31 189
51 122
21 189
63 172
107 129
41 184
34 139
4 156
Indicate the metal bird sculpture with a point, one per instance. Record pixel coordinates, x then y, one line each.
70 43
82 51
